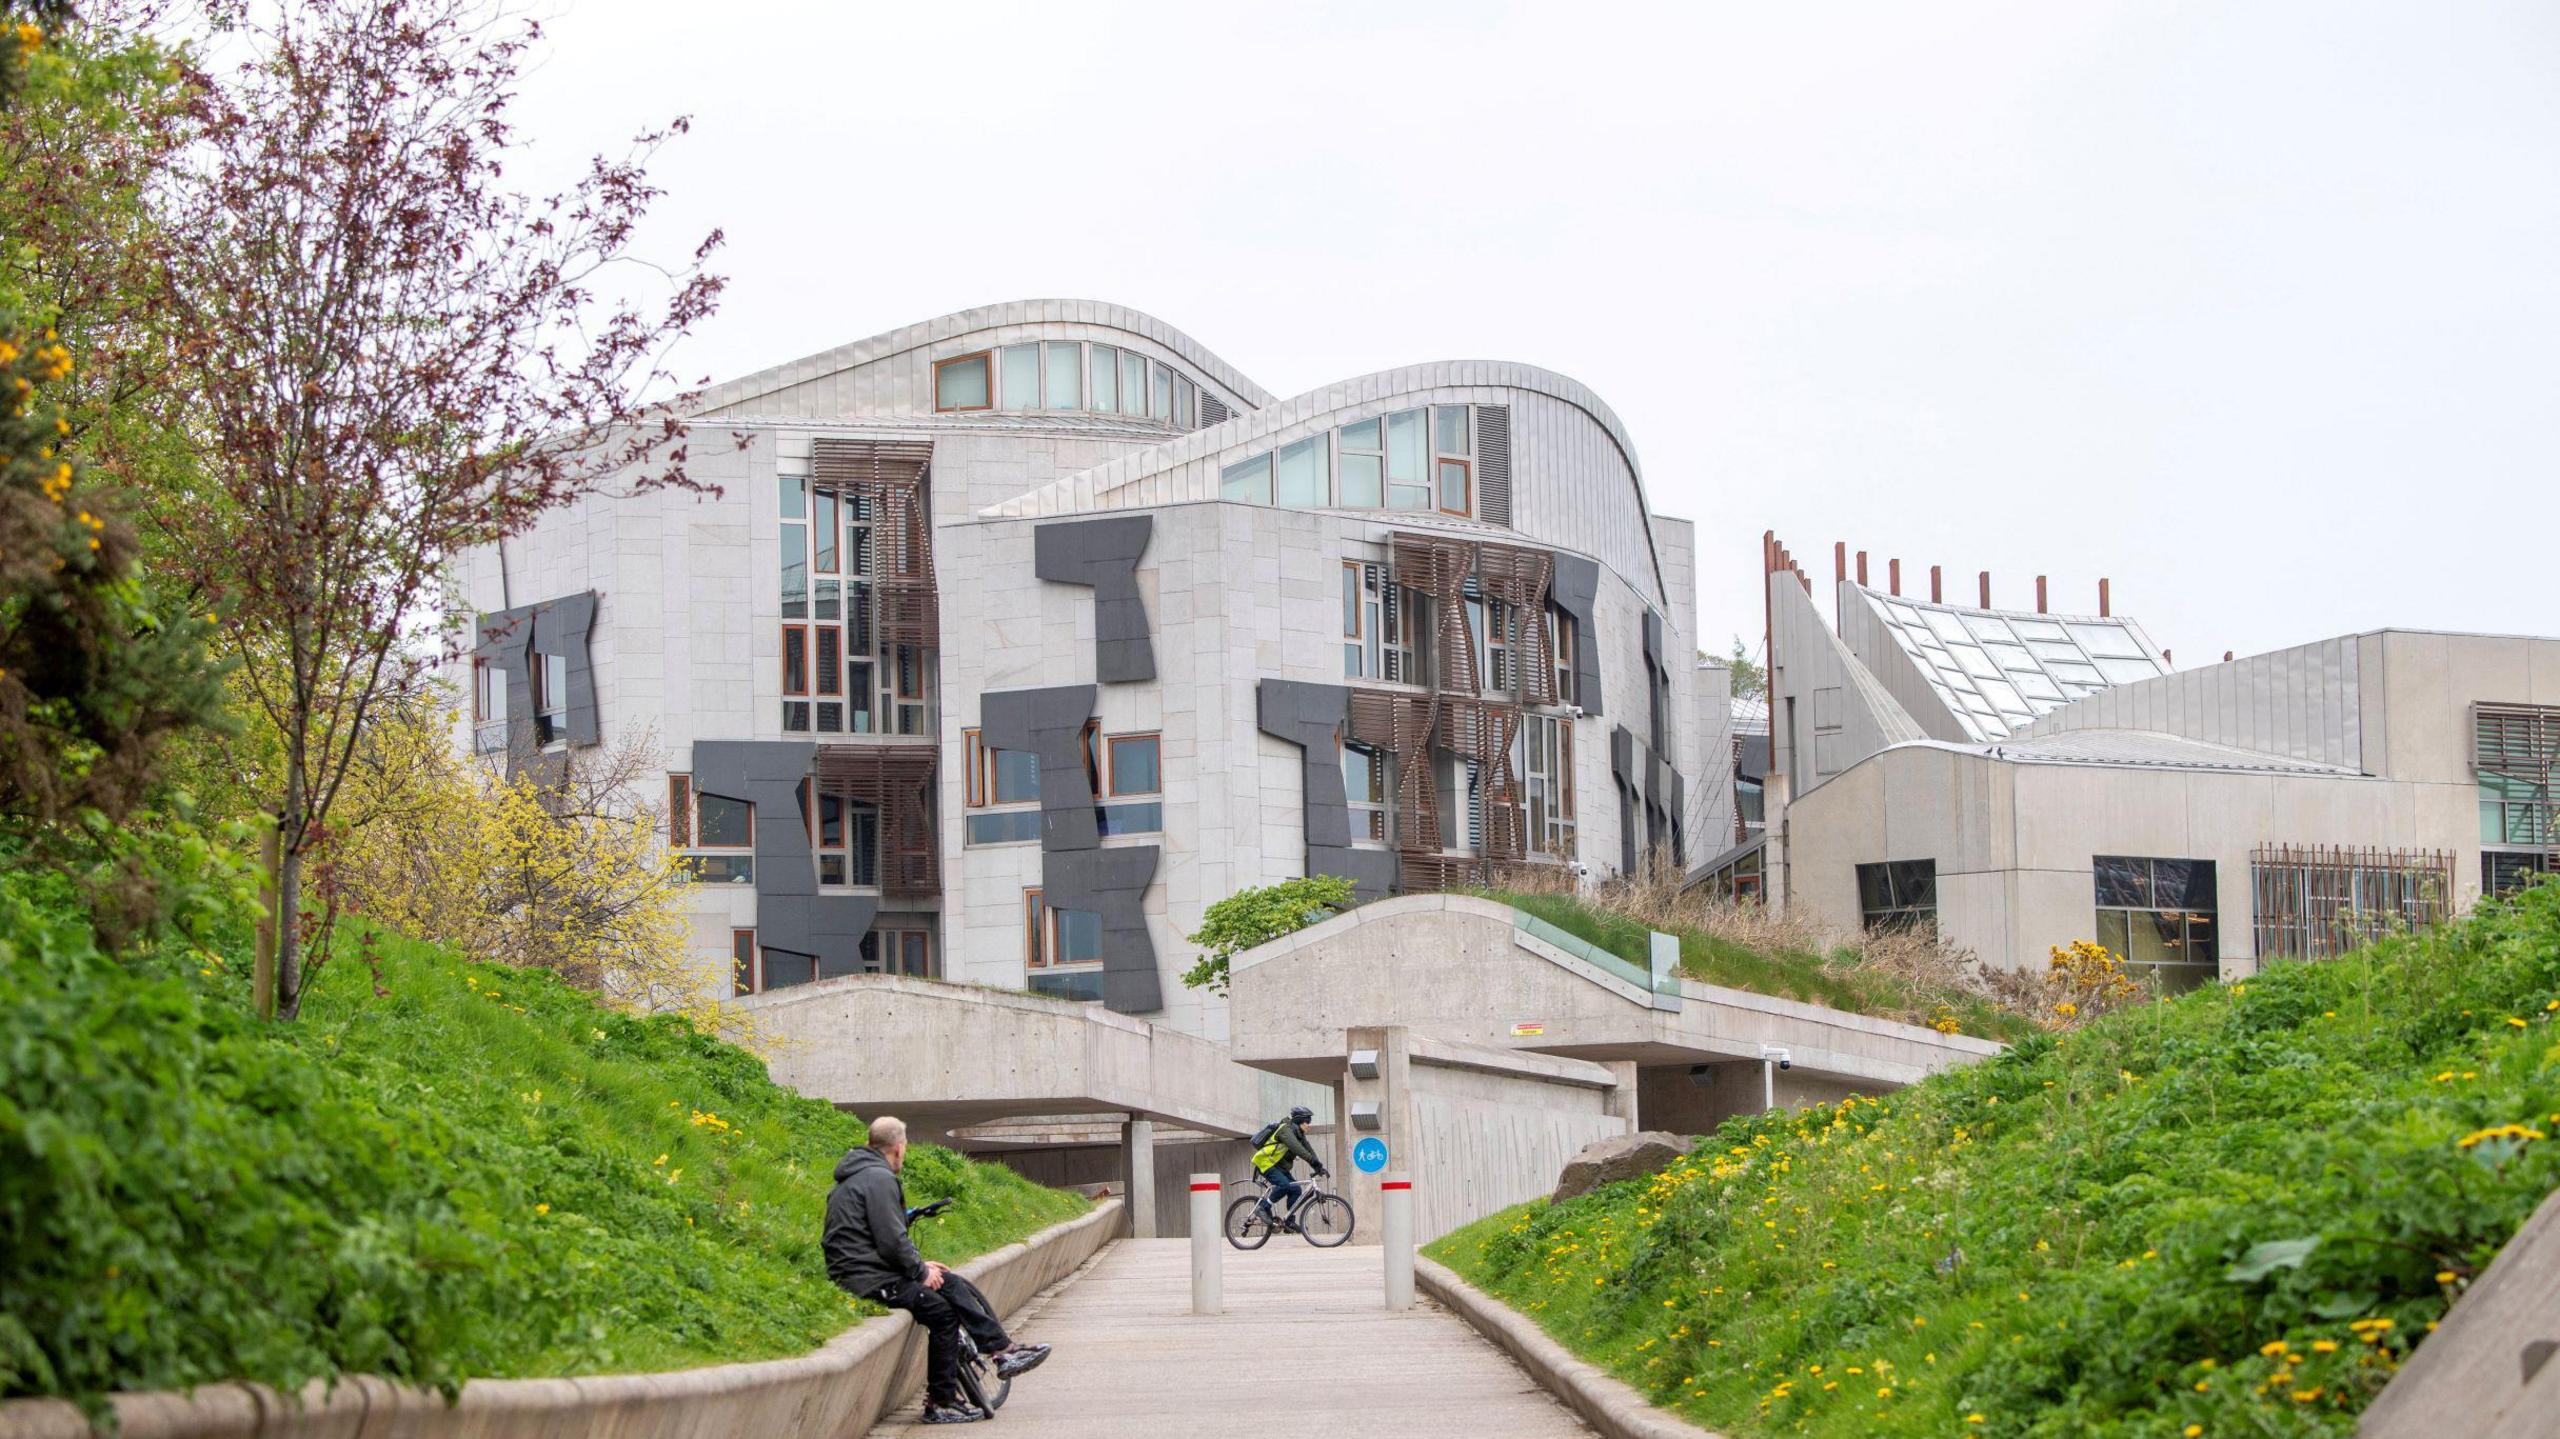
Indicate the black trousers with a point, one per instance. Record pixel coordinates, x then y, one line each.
944 1313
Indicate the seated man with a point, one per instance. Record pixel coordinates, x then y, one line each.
869 1253
1282 1144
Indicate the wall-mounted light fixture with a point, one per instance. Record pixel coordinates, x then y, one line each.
1364 1114
1364 1064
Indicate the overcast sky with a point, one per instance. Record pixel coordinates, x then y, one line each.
2253 308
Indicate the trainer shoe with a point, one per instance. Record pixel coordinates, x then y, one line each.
951 1414
1020 1359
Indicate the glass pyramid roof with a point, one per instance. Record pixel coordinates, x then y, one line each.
1997 671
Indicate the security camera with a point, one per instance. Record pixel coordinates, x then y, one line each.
1785 1063
1573 711
1778 1053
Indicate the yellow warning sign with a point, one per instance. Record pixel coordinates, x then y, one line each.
1527 1028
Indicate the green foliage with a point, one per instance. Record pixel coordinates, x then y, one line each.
1750 679
1257 916
457 1170
1833 979
2238 1209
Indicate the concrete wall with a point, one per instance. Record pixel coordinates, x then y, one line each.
842 1389
1080 1165
2014 842
1694 1099
1826 710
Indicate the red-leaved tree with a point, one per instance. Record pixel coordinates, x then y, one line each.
391 355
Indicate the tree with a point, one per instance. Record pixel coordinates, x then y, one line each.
566 875
1750 678
92 681
1250 917
390 356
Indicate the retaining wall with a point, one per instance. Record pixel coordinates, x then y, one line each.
838 1392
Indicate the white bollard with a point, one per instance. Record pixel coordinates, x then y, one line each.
1206 1238
1395 1201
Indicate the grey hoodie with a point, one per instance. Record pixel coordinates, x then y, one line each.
865 1240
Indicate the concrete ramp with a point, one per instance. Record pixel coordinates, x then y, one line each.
1477 972
945 1056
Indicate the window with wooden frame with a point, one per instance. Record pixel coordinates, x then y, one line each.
1561 634
488 706
717 833
1364 787
1137 764
963 383
742 961
679 811
1003 787
1545 766
1457 486
1059 938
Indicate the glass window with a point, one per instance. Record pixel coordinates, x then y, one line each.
1302 481
1133 383
1065 361
1021 387
1899 895
1017 776
1160 397
1138 817
550 697
1363 482
1009 826
795 572
2159 915
1248 481
783 969
723 823
795 498
825 531
742 961
1106 379
1362 436
1449 429
961 384
2106 639
1079 936
1455 498
1182 402
2125 672
1054 937
1134 764
1364 785
1405 457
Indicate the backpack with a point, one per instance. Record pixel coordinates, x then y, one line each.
1267 1148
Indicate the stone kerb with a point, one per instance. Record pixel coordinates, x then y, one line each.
841 1389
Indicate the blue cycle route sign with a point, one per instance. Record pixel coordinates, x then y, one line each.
1370 1155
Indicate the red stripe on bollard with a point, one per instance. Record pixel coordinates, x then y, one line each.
1204 1189
1397 1184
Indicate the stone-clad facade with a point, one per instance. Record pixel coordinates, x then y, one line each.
1040 628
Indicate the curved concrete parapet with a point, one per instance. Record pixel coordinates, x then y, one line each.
2489 1368
842 1389
1472 970
1610 1405
950 1055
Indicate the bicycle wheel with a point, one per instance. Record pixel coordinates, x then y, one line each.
972 1366
1247 1226
1326 1220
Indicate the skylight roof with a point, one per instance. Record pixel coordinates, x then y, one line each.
1997 671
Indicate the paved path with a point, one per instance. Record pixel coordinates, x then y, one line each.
1132 1360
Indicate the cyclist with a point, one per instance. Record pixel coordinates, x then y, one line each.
1278 1148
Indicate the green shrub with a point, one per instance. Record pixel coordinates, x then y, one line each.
461 1170
2236 1210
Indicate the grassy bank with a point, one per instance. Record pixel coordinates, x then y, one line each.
2229 1214
1792 969
474 1171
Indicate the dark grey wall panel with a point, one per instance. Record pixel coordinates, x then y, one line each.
1576 591
1623 774
1104 555
1112 883
509 638
790 913
1313 717
1075 871
1050 724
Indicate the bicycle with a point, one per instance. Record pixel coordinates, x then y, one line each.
1321 1215
976 1374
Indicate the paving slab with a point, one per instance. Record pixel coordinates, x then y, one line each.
1309 1323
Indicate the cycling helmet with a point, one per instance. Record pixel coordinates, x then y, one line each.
1302 1115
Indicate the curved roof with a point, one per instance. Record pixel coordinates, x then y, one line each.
984 317
1121 483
